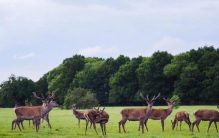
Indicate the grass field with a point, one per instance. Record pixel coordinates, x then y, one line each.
64 125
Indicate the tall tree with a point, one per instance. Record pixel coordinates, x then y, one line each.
124 83
59 79
151 77
16 89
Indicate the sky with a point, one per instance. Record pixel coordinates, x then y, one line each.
37 35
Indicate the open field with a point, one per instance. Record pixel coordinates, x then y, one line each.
64 125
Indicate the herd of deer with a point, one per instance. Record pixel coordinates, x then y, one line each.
94 116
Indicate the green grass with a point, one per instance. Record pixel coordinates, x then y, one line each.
64 125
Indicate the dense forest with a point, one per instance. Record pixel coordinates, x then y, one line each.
193 76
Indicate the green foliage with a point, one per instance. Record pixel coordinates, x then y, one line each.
124 83
61 77
16 89
177 105
83 98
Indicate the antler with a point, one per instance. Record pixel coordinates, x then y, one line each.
153 99
34 94
51 95
156 97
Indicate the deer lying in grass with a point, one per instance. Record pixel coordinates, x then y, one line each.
206 115
181 116
91 116
137 114
102 119
161 114
33 112
78 114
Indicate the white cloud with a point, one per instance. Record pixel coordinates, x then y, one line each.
99 51
30 55
175 45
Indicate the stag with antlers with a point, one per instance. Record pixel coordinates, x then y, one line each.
91 116
33 112
45 102
161 114
137 114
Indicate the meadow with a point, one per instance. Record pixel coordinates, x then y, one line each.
65 125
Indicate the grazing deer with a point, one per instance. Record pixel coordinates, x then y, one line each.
206 115
78 114
90 116
161 114
181 116
102 119
34 112
137 114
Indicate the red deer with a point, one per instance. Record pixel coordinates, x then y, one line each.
161 114
206 115
181 116
137 114
90 116
45 102
78 114
102 119
33 112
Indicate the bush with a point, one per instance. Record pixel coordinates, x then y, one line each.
83 98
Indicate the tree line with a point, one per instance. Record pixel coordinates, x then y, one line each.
193 76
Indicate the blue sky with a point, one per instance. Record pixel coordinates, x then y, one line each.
37 35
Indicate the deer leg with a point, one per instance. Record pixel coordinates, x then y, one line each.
176 124
215 123
209 125
104 128
95 127
78 123
101 126
189 124
86 126
197 125
145 124
162 123
180 124
22 123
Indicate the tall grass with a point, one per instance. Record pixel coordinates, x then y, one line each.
65 125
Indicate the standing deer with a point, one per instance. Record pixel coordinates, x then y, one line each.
161 114
181 116
45 102
78 114
205 115
33 112
102 119
137 114
90 116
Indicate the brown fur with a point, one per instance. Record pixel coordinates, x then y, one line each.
137 114
205 115
161 114
181 116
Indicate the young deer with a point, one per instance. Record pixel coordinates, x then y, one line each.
181 116
90 116
102 119
205 115
137 114
161 114
78 114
